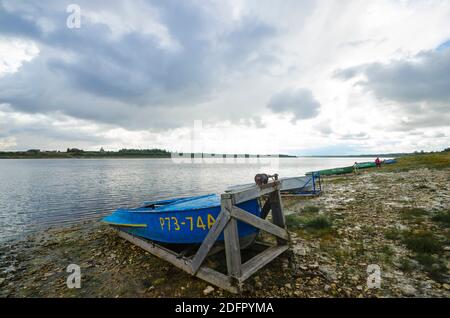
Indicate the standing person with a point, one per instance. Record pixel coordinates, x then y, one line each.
378 162
355 167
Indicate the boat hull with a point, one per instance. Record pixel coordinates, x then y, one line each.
182 226
365 165
349 169
334 171
294 183
389 161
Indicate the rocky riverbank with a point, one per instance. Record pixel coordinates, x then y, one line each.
398 221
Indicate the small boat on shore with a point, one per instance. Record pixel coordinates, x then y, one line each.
349 169
389 161
287 183
179 221
365 165
296 183
333 171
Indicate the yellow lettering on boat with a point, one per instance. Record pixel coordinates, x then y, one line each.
211 221
190 220
177 226
173 222
168 222
200 223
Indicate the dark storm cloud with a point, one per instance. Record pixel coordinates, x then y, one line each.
428 118
131 79
15 25
298 102
425 78
419 87
236 44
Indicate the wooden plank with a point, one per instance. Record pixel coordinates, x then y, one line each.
232 249
216 278
277 209
160 251
232 246
210 239
263 243
260 260
259 223
301 195
254 192
277 212
205 273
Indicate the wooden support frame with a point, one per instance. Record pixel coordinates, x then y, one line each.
226 222
259 223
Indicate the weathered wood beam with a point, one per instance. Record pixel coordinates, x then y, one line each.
205 273
253 192
210 239
277 213
260 260
216 278
232 246
259 223
160 251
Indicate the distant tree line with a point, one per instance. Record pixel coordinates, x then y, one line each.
155 151
80 153
75 150
145 153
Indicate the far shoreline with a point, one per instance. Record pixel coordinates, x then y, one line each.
75 153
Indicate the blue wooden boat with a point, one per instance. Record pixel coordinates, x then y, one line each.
389 161
179 221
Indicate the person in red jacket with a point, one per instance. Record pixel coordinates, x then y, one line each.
378 162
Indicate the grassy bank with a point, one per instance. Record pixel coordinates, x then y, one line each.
439 160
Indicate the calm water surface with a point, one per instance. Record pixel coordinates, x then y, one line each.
36 194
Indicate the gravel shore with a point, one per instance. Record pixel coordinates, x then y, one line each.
398 221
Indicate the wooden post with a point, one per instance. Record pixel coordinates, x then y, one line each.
277 213
259 223
231 236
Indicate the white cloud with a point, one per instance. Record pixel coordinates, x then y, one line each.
142 72
14 52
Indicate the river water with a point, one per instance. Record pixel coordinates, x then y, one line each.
39 193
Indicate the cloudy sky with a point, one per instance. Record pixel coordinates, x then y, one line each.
298 77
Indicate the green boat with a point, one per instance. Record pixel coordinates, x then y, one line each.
368 164
349 169
329 172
